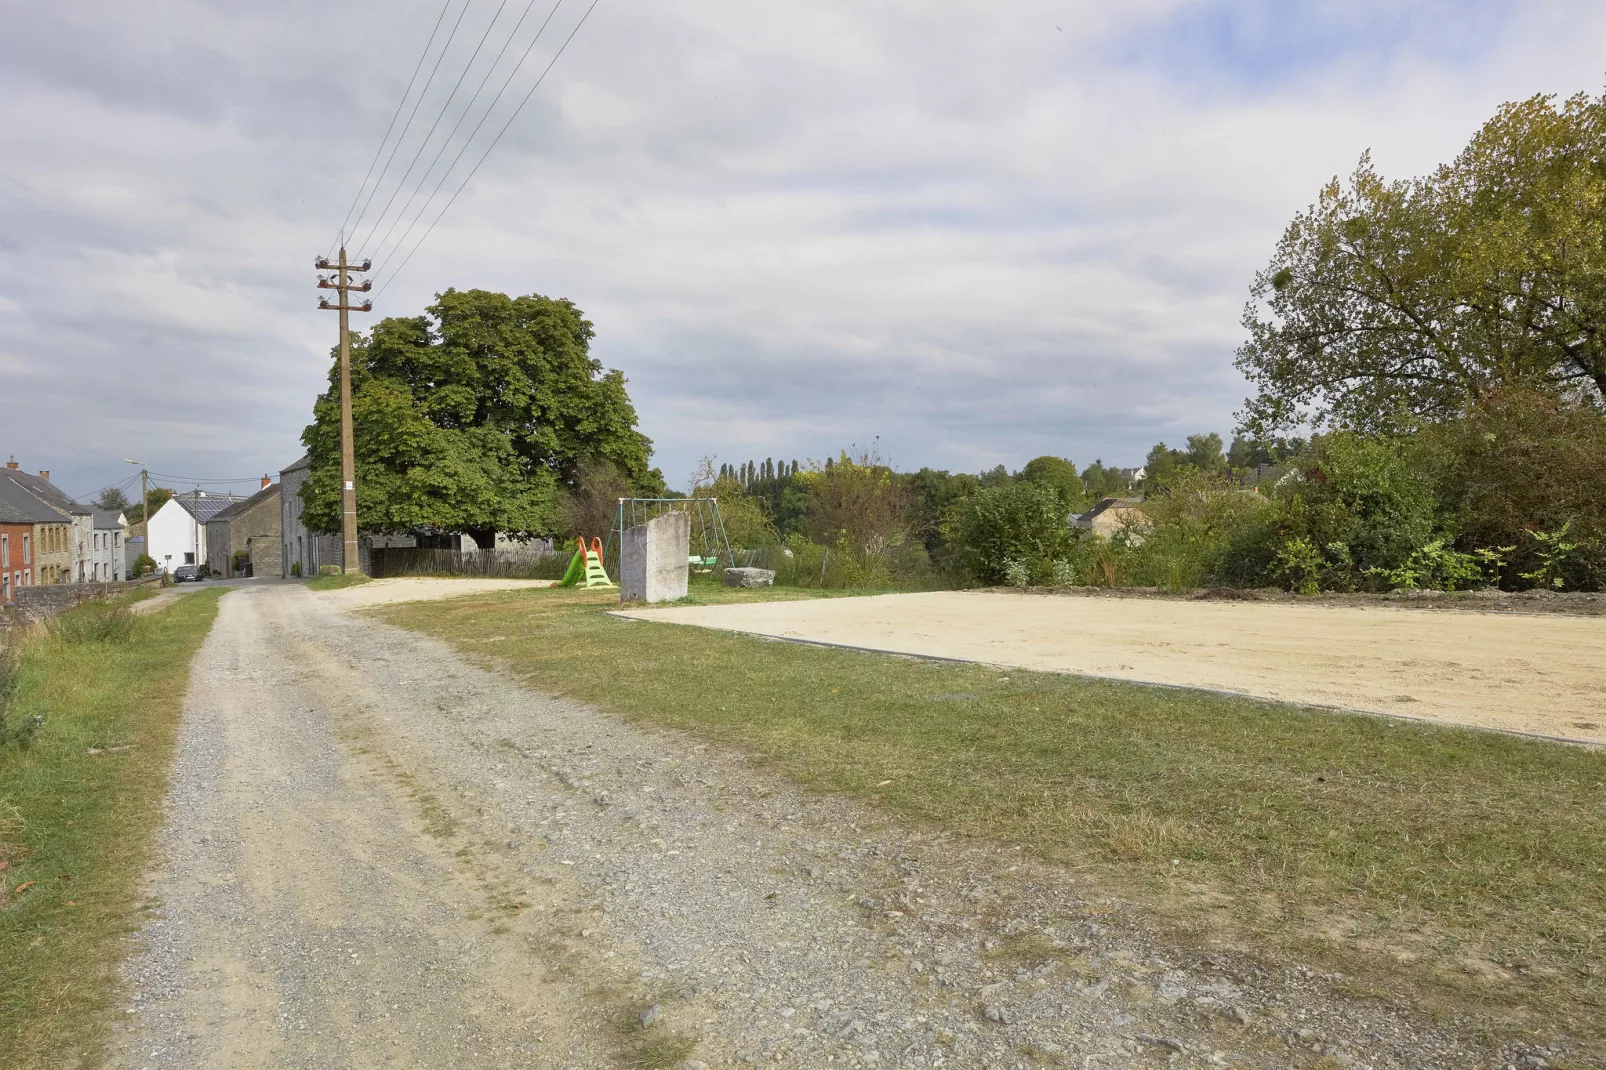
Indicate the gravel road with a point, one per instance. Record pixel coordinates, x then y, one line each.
378 854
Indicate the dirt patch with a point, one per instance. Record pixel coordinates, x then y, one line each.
1536 674
422 589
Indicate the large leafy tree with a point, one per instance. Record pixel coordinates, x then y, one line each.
1060 475
1390 303
473 418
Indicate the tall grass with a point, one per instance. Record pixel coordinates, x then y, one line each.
79 803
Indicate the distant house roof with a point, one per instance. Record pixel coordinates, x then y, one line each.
1085 519
46 491
109 518
18 506
305 462
204 509
240 506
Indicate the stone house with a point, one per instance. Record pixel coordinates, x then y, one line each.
106 564
37 540
303 551
80 517
1112 515
173 535
254 527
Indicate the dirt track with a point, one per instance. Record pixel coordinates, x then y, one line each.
378 854
1527 673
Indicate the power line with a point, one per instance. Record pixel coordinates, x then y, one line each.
487 152
124 485
445 107
399 105
198 479
412 115
447 143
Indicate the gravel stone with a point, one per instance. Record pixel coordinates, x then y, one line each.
377 852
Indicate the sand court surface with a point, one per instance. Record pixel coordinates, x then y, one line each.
1544 674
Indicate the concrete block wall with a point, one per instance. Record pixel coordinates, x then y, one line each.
652 565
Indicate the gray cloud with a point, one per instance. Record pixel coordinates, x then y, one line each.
981 232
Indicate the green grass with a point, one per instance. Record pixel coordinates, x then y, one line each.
335 581
75 826
1461 868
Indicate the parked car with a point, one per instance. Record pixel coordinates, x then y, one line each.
188 573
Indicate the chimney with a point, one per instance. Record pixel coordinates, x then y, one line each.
12 464
44 474
266 482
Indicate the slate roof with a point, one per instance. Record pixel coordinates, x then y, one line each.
46 491
204 509
1105 505
18 506
241 506
108 518
305 462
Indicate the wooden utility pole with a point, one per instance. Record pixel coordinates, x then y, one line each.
343 285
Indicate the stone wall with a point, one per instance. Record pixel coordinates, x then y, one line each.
46 600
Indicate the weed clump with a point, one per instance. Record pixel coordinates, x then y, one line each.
13 734
94 622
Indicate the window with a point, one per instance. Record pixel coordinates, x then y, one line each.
5 551
189 559
27 551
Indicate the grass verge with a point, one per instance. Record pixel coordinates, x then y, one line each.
79 805
1445 865
336 581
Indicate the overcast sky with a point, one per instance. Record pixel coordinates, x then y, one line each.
982 231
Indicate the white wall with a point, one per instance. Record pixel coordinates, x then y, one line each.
171 534
106 555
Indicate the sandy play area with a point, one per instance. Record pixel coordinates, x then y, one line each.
1531 673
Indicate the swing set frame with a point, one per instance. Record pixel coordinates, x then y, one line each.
706 524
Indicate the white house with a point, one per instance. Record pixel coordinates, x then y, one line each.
106 547
176 533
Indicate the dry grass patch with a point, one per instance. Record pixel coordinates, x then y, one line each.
1439 864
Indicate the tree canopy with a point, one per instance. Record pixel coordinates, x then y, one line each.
1388 303
472 418
1060 475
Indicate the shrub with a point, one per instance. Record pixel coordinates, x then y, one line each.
144 565
1299 564
1021 522
1201 530
1522 461
1434 566
295 568
858 509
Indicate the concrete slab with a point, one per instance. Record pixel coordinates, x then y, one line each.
653 559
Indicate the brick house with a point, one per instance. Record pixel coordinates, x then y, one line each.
255 527
36 540
81 519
